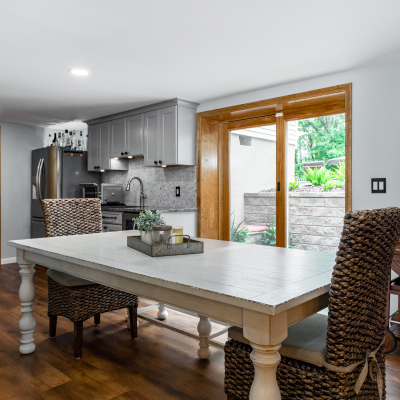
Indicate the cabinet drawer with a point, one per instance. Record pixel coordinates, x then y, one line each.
112 228
112 218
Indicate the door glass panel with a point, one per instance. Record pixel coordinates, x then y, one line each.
316 179
253 185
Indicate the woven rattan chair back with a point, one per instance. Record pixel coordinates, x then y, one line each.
356 322
65 217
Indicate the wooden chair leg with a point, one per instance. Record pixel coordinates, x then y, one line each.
78 336
52 326
97 319
133 321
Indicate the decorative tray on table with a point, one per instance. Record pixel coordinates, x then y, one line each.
189 246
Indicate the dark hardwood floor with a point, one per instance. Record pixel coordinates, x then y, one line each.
159 364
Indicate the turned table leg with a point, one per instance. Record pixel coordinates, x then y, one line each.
162 311
27 323
204 328
265 360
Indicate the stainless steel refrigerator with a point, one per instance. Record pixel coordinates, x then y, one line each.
56 174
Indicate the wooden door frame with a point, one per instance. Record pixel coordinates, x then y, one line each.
213 127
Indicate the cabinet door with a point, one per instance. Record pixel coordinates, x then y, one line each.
104 153
134 135
117 138
150 138
167 136
93 147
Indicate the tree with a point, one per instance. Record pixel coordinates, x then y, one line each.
320 138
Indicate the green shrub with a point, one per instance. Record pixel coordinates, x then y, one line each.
317 176
332 185
339 173
293 185
268 237
239 233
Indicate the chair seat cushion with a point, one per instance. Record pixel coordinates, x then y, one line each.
306 340
67 280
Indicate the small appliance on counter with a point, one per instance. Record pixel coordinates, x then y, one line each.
89 190
112 194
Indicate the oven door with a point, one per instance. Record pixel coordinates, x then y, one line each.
127 223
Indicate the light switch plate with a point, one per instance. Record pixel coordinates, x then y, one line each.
378 185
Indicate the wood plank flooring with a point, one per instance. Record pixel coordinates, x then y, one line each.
160 364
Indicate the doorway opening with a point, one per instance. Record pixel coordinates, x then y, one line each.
315 168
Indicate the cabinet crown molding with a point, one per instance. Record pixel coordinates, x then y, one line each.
150 107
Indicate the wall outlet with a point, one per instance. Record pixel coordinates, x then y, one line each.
378 185
178 191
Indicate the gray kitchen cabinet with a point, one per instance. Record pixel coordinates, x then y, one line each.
164 133
134 135
167 136
118 137
99 150
93 148
150 137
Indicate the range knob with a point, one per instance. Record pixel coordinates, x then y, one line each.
155 162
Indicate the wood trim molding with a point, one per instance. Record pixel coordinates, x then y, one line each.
213 147
281 194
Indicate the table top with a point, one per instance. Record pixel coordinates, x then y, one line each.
260 278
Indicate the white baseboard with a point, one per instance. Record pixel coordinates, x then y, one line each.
8 260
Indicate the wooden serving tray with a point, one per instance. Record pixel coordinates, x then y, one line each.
187 247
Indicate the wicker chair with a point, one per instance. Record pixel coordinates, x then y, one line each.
75 298
317 349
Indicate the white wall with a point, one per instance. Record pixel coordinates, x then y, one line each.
376 136
253 168
17 142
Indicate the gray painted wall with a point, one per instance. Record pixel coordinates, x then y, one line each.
158 184
376 138
17 142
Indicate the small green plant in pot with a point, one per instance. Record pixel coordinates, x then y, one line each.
145 222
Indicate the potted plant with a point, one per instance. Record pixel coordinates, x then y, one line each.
145 222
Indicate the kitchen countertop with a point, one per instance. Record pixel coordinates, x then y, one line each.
163 209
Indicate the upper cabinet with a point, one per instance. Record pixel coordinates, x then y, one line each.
118 138
164 133
134 135
99 158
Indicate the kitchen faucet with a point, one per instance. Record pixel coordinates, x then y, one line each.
142 195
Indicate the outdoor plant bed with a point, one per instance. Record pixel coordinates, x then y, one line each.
315 217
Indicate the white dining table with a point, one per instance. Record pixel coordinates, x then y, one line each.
260 288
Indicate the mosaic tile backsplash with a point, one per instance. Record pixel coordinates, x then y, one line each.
158 184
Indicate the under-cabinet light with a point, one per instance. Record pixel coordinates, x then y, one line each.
102 170
115 158
130 157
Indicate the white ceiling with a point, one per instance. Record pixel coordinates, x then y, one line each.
140 52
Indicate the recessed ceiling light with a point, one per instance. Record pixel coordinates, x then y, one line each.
81 72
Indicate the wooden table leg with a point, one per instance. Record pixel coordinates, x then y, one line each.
265 334
204 328
265 360
27 294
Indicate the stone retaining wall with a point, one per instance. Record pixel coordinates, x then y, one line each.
315 219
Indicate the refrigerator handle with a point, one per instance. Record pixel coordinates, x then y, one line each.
38 180
43 181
